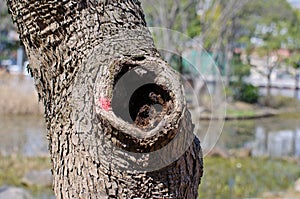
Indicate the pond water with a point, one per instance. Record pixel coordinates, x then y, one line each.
275 136
23 135
267 137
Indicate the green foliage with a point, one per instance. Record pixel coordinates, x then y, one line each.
211 23
294 60
194 28
271 22
264 12
239 90
245 92
175 15
245 178
239 69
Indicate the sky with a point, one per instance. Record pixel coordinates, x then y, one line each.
295 3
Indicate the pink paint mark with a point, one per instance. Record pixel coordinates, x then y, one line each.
104 103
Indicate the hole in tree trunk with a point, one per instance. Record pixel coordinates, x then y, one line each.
138 100
147 105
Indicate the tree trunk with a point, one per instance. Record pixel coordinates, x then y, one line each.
296 84
90 59
269 85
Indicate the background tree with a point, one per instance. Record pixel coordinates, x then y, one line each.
265 27
174 15
205 21
294 45
294 61
79 54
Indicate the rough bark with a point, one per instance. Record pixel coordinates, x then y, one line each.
79 51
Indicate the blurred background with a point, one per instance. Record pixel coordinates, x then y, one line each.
250 48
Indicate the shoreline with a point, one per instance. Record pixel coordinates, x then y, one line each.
252 112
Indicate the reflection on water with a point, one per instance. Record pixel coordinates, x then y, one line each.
275 137
276 144
24 135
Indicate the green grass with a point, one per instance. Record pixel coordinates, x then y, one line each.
240 113
13 168
249 177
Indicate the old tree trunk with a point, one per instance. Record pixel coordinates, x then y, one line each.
116 117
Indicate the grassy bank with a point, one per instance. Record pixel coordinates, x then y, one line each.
223 178
13 169
277 105
246 178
